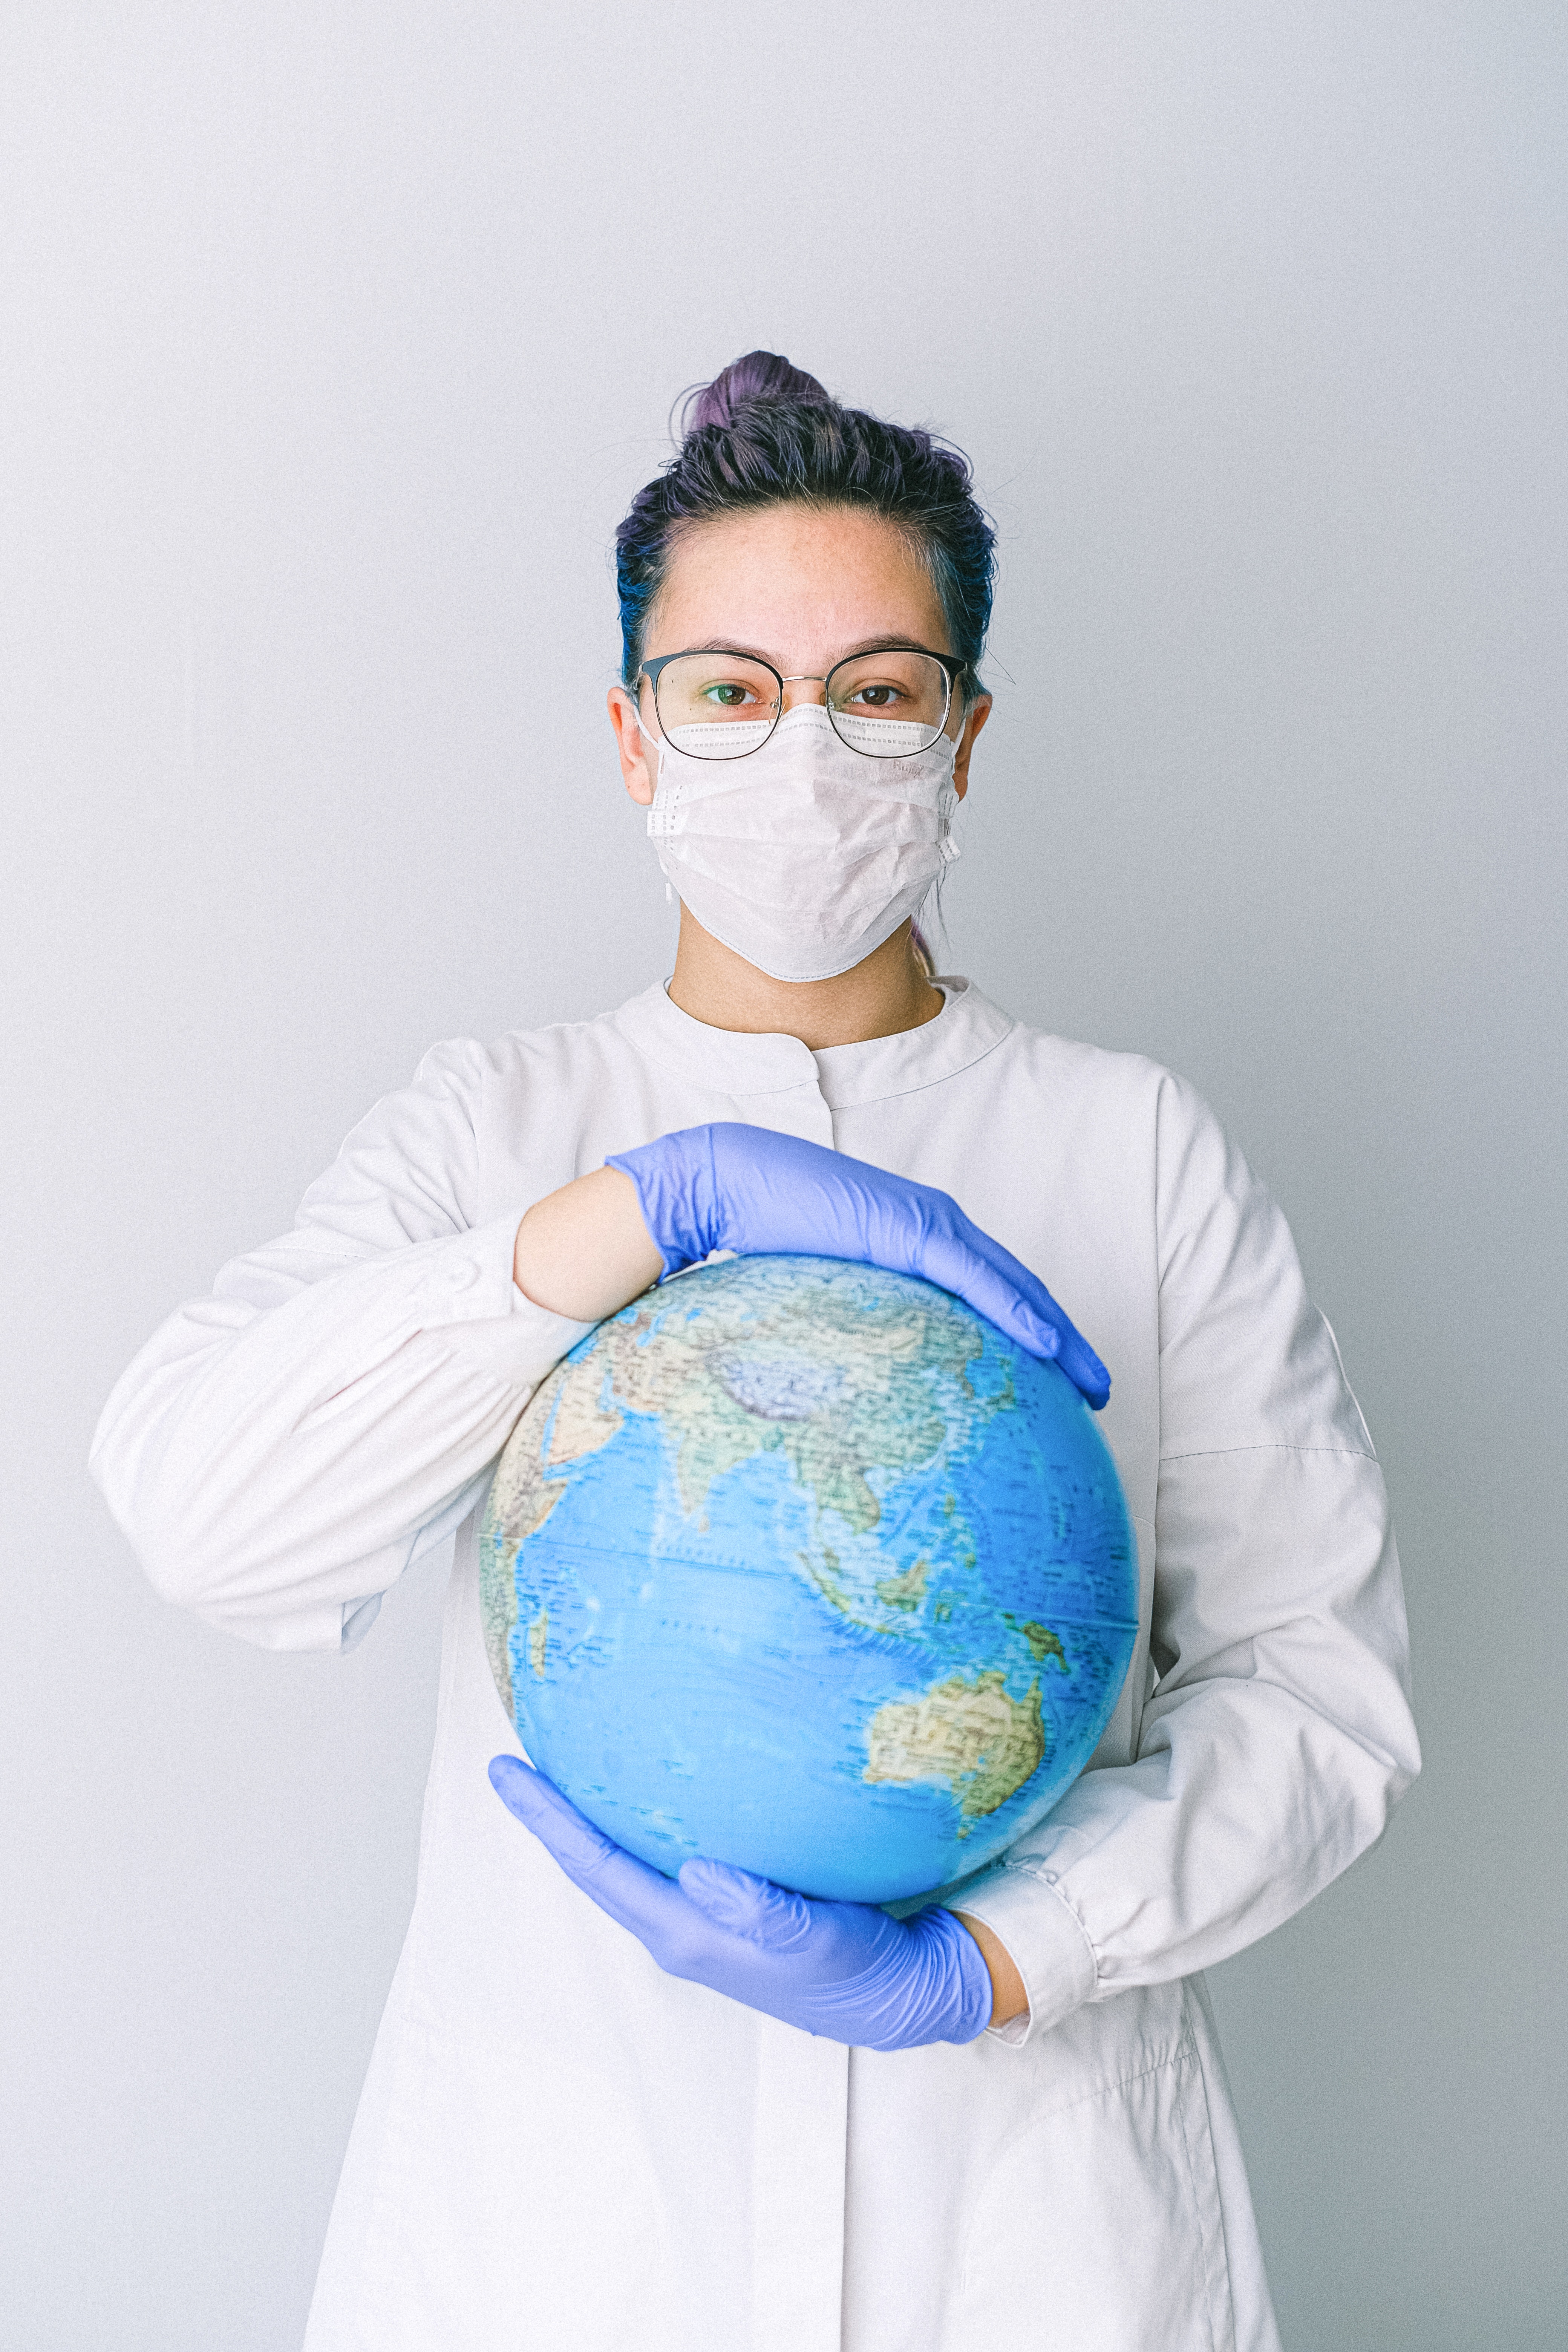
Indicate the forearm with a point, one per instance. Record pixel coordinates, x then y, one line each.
584 1251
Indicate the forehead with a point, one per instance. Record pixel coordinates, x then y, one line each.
801 583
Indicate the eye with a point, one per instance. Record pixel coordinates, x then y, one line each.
900 685
709 690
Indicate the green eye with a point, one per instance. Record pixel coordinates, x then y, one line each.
702 699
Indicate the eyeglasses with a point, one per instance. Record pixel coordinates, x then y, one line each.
721 705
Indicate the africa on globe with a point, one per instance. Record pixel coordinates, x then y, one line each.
805 1567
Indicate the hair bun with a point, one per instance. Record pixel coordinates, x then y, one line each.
760 377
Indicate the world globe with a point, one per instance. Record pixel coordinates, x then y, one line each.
805 1567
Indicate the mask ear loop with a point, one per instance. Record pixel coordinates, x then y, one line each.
658 743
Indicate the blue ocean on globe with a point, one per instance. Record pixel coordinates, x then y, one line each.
805 1567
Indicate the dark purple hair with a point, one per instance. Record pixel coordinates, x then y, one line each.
765 433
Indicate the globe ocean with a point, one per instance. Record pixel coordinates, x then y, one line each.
805 1567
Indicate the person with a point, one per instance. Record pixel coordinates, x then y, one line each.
606 2107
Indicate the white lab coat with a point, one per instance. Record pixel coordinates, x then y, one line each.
561 2149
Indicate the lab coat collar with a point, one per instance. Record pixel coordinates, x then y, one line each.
968 1028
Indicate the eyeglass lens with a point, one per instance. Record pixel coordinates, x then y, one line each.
720 705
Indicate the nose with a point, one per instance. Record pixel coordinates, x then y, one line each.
804 678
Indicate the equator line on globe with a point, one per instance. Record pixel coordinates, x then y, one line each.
804 1566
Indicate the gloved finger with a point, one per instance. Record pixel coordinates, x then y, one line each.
950 1260
1056 1335
1023 1278
583 1851
1083 1368
961 1259
745 1905
635 1896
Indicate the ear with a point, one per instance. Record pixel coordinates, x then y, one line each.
639 759
979 711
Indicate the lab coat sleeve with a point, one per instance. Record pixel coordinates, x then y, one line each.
279 1452
1279 1734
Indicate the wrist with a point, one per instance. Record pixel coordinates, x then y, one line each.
1009 1998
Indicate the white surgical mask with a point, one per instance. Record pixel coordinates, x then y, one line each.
805 855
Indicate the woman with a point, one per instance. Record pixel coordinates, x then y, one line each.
608 2108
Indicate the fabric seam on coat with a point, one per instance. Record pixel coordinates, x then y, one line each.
1192 2052
1215 1453
924 1086
1184 2049
1188 1994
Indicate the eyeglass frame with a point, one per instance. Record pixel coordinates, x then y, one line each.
952 669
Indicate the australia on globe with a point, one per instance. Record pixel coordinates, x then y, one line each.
805 1567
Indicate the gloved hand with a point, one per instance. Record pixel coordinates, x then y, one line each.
843 1969
748 1189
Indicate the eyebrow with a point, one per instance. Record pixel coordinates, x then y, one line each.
892 643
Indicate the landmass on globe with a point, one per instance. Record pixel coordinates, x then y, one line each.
969 1735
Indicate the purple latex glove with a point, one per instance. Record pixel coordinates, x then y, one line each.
843 1969
728 1187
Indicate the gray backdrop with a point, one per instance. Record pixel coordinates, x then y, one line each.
335 340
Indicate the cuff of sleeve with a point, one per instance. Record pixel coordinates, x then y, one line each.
470 1298
1046 1939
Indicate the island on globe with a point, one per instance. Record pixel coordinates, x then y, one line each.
805 1567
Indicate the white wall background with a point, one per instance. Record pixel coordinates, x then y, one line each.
334 341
